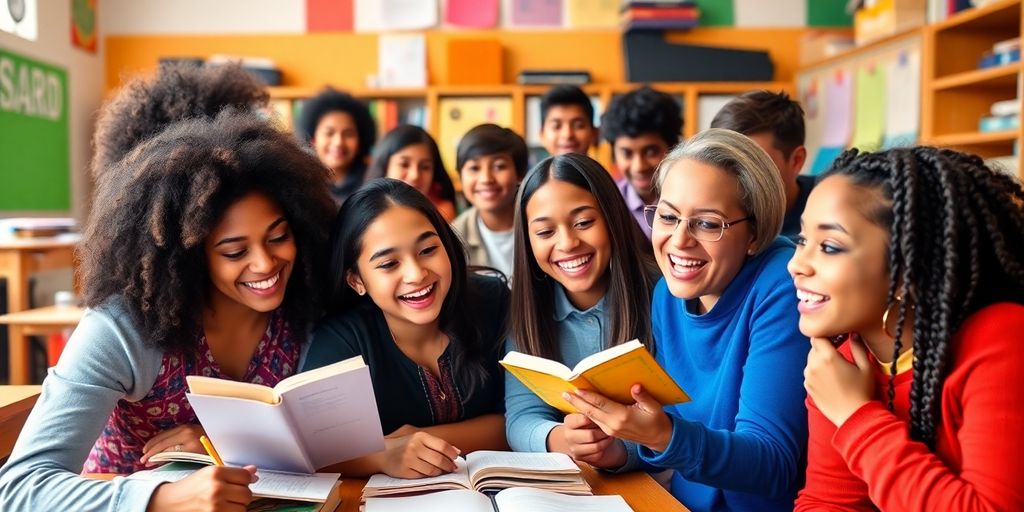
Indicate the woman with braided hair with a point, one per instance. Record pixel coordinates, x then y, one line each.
201 257
911 260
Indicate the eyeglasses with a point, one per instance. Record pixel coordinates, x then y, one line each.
706 227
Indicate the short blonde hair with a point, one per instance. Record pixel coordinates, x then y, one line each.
762 194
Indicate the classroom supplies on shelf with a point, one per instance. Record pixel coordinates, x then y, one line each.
883 18
313 487
553 77
486 470
516 499
310 420
647 52
611 372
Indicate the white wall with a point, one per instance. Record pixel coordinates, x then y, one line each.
85 81
155 17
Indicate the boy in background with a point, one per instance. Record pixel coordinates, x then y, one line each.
641 126
567 121
492 161
776 123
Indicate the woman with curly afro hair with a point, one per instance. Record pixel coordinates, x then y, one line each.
200 257
342 132
144 106
911 260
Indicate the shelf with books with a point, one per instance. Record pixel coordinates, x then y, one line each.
971 81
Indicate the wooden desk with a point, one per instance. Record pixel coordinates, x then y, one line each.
639 490
19 258
30 323
15 404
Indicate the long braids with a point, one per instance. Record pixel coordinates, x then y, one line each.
956 235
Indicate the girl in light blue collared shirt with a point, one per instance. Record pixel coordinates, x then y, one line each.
584 274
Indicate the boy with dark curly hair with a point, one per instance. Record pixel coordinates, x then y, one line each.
200 257
342 132
641 126
145 106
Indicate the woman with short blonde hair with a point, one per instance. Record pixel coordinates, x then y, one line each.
725 321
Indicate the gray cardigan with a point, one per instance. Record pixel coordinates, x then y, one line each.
105 360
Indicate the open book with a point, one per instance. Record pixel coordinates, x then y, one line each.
611 372
312 488
310 420
488 471
518 499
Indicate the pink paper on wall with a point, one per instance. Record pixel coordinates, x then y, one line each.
328 15
536 13
472 13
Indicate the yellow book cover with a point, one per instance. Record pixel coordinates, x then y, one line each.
611 372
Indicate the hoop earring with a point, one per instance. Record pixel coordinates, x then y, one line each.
885 316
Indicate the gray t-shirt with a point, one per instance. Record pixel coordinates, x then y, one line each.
499 247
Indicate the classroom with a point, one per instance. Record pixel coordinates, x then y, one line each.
511 255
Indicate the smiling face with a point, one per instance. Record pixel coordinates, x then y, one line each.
490 183
637 158
414 165
570 241
336 140
404 267
694 268
840 267
250 254
567 129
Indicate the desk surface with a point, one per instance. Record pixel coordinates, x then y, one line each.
42 243
50 315
639 490
15 404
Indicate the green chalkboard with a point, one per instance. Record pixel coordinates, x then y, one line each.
35 166
828 13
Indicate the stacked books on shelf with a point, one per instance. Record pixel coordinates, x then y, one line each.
389 114
554 77
1002 53
1003 115
659 15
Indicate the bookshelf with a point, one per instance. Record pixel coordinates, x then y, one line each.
434 99
956 93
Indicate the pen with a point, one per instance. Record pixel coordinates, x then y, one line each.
211 450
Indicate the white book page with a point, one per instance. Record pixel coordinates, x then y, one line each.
459 476
525 499
444 501
248 432
271 484
335 418
605 355
539 364
529 461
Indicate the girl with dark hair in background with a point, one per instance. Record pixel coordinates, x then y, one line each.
200 257
583 282
430 330
408 153
342 132
911 259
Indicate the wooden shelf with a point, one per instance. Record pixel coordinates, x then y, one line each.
864 49
996 14
974 138
1002 76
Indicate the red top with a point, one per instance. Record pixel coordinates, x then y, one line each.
978 463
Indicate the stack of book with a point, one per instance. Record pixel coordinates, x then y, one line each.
1001 54
659 15
1003 115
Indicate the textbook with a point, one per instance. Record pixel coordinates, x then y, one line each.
485 470
317 489
611 372
517 499
308 421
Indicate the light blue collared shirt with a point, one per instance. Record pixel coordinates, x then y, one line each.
528 420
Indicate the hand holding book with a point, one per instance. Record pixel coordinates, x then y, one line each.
643 422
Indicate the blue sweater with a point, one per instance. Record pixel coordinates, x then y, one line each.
740 443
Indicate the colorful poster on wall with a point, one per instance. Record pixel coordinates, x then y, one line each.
328 15
592 13
83 24
471 13
34 149
535 13
458 115
869 106
21 18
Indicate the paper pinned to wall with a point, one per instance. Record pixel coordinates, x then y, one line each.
535 13
402 60
869 105
21 18
458 115
903 94
592 13
472 13
838 106
380 15
776 13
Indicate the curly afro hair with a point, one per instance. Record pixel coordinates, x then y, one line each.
644 110
152 211
144 107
